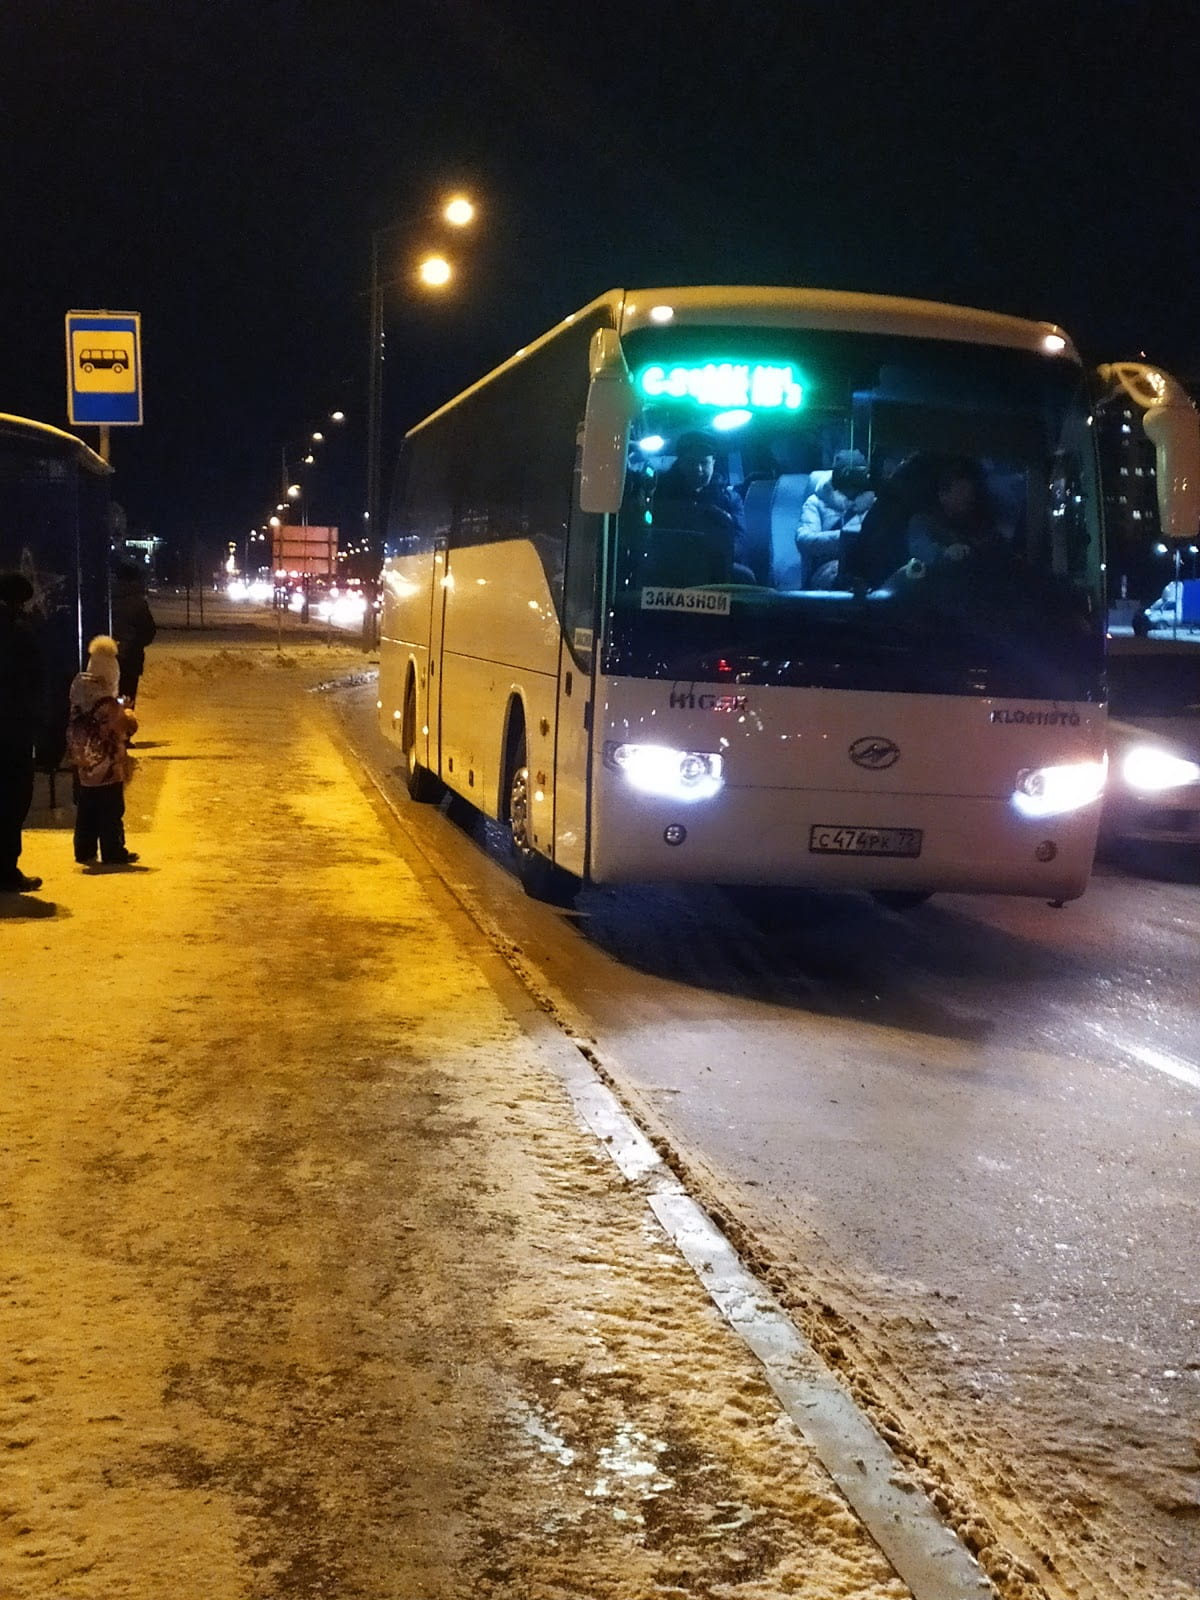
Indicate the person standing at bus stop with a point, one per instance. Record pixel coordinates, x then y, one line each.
98 735
133 627
20 700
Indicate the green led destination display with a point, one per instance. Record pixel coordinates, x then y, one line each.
754 386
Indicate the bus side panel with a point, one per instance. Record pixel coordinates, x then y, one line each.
571 766
791 783
500 641
404 642
479 694
580 629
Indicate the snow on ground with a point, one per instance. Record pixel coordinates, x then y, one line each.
310 1282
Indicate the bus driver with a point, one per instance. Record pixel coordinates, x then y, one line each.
691 496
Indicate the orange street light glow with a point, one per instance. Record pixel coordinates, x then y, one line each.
459 211
434 271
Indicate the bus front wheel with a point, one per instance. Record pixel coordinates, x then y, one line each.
423 786
540 878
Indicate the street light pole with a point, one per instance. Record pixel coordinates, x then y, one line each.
374 386
435 272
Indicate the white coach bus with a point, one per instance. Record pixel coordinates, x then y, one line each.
770 586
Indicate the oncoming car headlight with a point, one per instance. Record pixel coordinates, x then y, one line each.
1053 791
1149 768
673 774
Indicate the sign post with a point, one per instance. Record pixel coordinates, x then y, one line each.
104 371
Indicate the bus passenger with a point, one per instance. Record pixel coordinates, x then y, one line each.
841 501
690 495
958 519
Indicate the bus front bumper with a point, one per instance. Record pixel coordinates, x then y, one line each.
840 840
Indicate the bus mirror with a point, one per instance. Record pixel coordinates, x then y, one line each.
1171 424
610 409
1175 433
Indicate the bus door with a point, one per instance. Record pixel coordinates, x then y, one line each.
432 698
578 645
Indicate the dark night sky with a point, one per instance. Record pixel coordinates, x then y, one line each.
218 165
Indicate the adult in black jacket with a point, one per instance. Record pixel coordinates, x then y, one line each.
20 700
133 627
691 496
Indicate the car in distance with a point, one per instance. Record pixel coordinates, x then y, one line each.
1153 791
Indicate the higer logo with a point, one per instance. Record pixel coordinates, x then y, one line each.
689 700
874 753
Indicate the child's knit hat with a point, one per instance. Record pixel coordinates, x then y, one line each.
102 662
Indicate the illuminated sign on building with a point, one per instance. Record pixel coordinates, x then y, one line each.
725 384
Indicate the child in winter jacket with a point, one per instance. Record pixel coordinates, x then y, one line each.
98 735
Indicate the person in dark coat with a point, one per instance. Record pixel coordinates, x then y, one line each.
133 627
691 495
958 519
20 698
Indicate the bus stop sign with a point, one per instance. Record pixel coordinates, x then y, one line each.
104 368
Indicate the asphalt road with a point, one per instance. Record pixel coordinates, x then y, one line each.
962 1144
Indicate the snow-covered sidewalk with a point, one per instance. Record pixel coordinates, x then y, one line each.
311 1282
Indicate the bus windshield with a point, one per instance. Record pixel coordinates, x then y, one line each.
857 510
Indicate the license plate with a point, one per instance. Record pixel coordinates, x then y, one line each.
843 839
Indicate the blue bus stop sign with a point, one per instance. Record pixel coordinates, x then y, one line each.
104 368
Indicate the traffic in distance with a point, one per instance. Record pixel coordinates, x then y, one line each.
1153 791
771 586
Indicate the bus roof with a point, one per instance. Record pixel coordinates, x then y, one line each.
835 309
842 310
67 443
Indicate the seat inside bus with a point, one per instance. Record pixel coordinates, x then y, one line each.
780 558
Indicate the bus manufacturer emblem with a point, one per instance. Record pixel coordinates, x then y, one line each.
874 753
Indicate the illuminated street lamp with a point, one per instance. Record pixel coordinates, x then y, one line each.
295 491
433 272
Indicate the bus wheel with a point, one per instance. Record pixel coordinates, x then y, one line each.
423 786
540 878
901 899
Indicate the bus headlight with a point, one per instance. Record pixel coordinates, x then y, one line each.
673 774
1053 791
1149 768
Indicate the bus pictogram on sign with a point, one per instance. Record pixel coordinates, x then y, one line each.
118 360
104 367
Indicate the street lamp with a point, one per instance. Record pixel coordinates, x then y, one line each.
434 272
298 456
